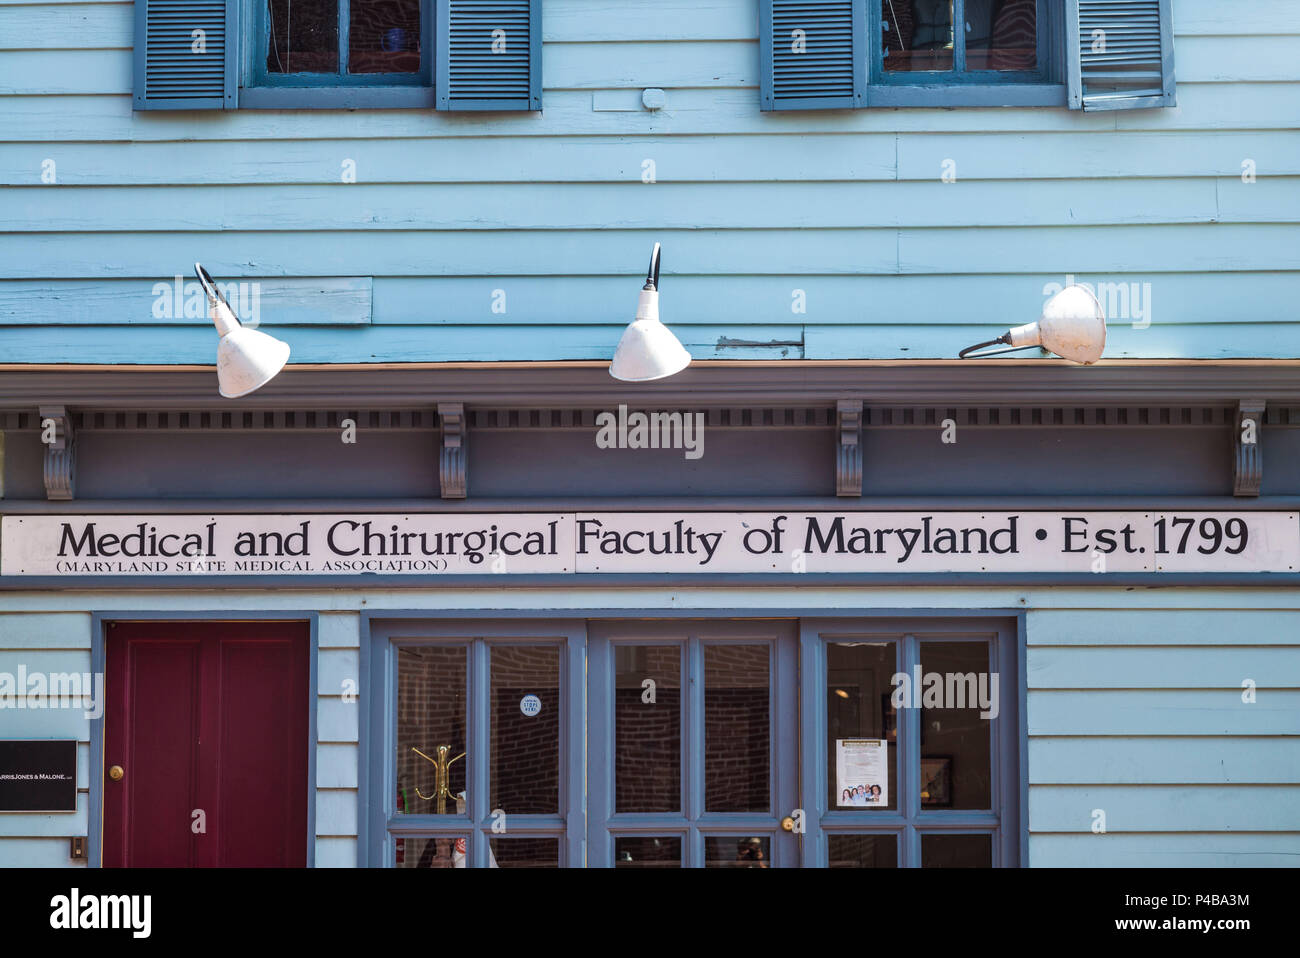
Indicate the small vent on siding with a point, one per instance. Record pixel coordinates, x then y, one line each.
1119 50
825 67
475 72
173 71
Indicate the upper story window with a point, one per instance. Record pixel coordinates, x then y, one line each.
961 40
940 52
338 54
343 42
1087 54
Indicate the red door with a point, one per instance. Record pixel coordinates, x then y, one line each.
207 723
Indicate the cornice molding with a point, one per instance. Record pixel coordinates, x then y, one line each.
794 384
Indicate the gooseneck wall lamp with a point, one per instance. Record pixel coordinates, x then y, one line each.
1072 325
648 350
246 359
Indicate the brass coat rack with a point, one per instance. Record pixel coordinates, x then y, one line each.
442 776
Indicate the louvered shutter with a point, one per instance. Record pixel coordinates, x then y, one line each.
1120 54
185 54
489 55
812 54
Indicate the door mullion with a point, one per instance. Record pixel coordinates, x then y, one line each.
574 717
812 748
909 756
693 750
478 758
784 746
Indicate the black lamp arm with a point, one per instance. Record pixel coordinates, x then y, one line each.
210 287
652 274
1004 338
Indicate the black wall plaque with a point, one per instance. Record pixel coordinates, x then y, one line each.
38 776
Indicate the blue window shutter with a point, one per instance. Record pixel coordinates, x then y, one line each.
489 55
1120 54
812 54
185 54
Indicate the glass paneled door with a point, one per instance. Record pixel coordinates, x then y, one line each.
480 725
866 742
693 759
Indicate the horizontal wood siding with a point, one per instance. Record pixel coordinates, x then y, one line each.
51 641
338 682
847 207
1139 714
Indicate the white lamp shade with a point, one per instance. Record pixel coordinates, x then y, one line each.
1072 325
648 349
247 360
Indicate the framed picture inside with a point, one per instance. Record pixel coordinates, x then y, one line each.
936 781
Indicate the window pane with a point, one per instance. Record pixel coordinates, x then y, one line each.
916 35
956 756
431 717
526 852
863 851
653 852
736 851
1001 35
956 851
384 36
525 717
736 728
647 728
304 36
859 716
429 853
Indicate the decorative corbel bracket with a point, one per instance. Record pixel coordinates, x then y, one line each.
848 450
60 453
1248 458
453 461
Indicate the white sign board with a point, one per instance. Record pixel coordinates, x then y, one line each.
650 542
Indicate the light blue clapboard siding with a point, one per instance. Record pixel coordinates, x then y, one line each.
447 343
815 205
46 642
836 301
1188 850
1140 714
278 302
1208 760
338 639
846 205
59 119
560 159
35 853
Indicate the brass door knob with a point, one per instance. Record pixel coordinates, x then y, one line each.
787 824
116 773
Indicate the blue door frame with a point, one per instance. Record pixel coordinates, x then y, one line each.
379 823
799 765
1002 820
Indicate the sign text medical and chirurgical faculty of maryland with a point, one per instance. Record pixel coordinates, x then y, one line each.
650 542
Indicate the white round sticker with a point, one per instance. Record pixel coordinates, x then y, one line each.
530 705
